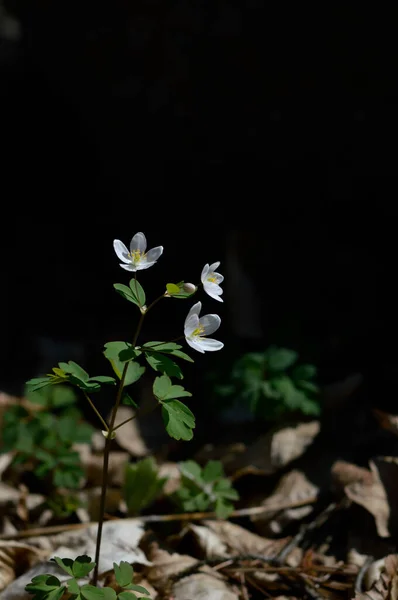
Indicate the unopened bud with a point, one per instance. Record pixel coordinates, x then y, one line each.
189 288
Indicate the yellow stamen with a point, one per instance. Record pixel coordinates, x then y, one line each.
212 279
136 255
198 331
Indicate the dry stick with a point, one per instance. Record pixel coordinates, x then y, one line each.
361 574
196 516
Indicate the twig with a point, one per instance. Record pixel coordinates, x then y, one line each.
361 574
212 562
196 516
304 529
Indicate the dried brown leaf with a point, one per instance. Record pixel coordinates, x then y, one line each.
94 464
292 487
15 558
203 586
276 449
379 496
129 437
165 565
386 586
344 473
173 474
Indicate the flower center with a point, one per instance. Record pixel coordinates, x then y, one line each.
212 278
198 331
136 255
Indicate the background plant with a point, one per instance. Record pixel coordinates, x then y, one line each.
272 384
41 433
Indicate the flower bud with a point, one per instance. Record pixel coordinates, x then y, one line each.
189 288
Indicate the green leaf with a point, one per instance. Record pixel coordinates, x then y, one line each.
308 386
177 391
134 370
304 372
124 573
191 470
212 471
73 587
62 396
129 354
113 349
142 485
125 292
37 383
82 566
127 596
103 379
74 369
45 587
138 292
89 592
182 355
161 387
280 359
128 401
172 288
223 509
109 593
178 419
161 346
137 588
164 364
65 564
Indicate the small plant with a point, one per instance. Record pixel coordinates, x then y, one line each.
205 489
271 384
41 434
129 359
142 485
49 587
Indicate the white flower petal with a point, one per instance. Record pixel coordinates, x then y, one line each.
121 251
209 345
195 345
154 254
129 267
210 323
214 266
138 242
191 323
195 310
205 270
143 264
213 290
218 277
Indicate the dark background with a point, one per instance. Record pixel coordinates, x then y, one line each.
217 128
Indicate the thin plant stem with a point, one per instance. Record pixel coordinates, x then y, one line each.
96 411
108 442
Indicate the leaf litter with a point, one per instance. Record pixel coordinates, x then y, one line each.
313 520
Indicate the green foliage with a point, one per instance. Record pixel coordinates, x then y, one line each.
271 384
70 372
205 489
176 290
42 434
48 587
178 419
142 485
134 293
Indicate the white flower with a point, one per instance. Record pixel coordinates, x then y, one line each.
211 280
137 259
195 330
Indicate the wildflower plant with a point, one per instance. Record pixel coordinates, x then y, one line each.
129 360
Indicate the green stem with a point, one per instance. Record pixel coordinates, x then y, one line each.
96 411
108 443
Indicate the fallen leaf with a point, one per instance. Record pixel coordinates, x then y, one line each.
164 565
90 500
94 465
344 473
173 473
292 487
16 590
237 540
269 453
120 539
16 557
386 586
129 437
377 496
203 586
387 421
